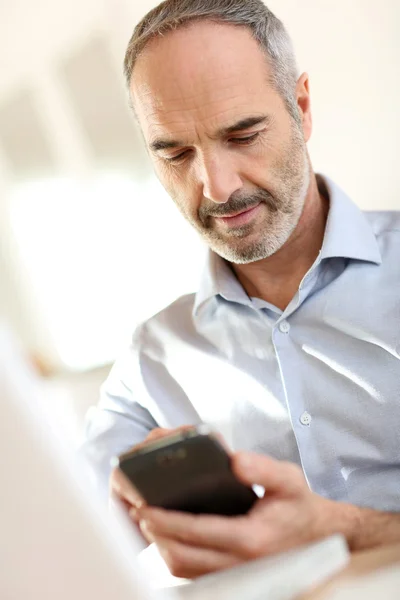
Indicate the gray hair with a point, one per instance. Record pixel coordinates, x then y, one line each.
265 27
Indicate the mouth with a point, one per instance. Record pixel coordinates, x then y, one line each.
240 218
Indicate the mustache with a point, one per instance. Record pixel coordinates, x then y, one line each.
238 203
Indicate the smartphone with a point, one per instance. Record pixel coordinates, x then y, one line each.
189 471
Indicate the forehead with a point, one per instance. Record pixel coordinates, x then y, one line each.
202 75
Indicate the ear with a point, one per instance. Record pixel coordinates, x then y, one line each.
304 104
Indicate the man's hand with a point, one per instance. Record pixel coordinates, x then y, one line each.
289 515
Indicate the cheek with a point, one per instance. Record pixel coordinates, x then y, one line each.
259 168
282 152
273 145
261 163
167 180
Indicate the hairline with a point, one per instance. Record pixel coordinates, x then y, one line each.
271 70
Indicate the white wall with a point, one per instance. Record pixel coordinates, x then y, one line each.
350 50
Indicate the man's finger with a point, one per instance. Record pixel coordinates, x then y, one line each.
122 487
191 562
207 531
275 476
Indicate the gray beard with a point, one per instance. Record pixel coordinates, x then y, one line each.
282 221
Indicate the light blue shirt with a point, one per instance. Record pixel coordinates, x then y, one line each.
317 384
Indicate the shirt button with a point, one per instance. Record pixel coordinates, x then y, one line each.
305 418
284 327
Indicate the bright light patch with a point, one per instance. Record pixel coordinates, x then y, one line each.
351 375
102 255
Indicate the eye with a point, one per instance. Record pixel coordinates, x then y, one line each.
243 141
177 158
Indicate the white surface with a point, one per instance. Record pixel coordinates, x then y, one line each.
281 577
57 542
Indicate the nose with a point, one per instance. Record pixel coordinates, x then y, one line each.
219 178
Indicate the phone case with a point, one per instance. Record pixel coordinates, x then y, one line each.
191 474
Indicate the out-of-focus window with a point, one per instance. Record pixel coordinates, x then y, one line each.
102 256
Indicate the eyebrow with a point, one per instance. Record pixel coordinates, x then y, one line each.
241 125
244 124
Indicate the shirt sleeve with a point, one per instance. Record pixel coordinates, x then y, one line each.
117 422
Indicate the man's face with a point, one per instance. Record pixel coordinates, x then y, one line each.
221 139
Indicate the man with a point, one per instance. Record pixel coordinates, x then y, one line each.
294 335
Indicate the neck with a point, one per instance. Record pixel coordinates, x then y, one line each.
276 279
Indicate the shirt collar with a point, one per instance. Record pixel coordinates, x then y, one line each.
218 279
348 234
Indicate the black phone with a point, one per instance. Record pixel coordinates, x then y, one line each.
189 471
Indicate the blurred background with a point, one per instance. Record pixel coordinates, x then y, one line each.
90 244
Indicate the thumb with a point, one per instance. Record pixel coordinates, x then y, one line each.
274 475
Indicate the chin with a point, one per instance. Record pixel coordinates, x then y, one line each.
242 256
249 251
